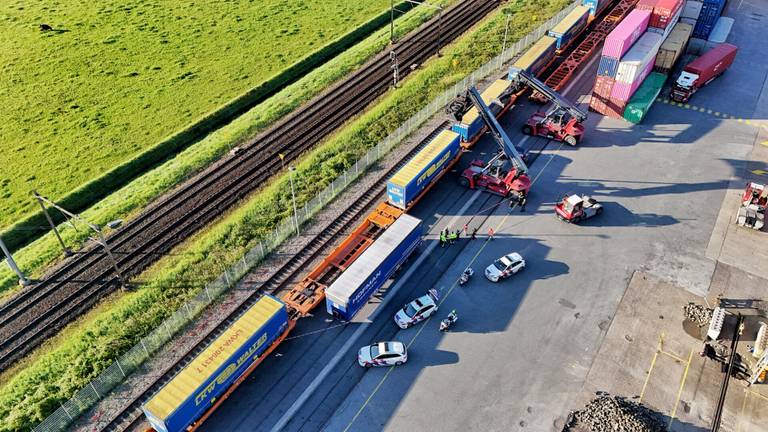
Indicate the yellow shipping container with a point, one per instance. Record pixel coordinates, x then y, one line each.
492 92
425 157
538 56
673 47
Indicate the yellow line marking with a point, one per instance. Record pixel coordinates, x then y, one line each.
709 111
765 143
758 394
702 109
648 375
687 105
740 120
759 172
680 390
445 297
717 113
681 360
748 122
743 407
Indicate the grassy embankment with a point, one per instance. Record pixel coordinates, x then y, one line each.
71 361
118 87
130 199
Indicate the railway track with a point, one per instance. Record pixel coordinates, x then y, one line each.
71 289
131 417
132 414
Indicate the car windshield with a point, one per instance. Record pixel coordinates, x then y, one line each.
500 264
374 351
410 311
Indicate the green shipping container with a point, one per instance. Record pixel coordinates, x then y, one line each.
644 97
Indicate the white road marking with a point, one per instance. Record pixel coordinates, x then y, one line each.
302 399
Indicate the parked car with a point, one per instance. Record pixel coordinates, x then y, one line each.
382 354
505 267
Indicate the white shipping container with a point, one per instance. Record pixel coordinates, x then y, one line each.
637 58
691 10
721 30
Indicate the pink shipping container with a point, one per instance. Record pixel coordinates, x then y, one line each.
623 91
665 12
626 33
636 61
646 5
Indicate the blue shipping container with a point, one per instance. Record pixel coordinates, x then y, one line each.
347 294
570 26
408 182
608 66
195 388
536 58
595 6
710 12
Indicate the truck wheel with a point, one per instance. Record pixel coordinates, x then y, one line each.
598 211
570 140
464 182
527 130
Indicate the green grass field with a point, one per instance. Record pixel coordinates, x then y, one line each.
114 78
97 339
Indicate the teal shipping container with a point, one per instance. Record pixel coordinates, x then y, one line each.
644 97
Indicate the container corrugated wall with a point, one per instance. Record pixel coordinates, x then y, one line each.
710 12
195 388
608 66
644 97
691 11
672 48
646 5
620 40
570 26
347 294
538 56
595 6
623 91
409 181
634 63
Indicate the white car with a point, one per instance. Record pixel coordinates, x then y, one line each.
382 354
505 267
416 311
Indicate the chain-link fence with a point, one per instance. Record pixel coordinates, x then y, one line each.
130 361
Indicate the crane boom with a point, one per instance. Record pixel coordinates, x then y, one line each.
520 77
498 133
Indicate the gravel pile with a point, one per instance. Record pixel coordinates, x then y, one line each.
608 413
697 314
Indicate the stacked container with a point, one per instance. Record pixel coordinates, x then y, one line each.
665 15
617 43
673 47
691 11
710 12
721 30
646 5
635 66
646 95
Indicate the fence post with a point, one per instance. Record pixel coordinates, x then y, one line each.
146 351
65 411
119 367
94 390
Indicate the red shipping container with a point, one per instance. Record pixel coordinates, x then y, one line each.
601 93
712 63
646 5
615 108
663 13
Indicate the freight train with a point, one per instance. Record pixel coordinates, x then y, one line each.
354 270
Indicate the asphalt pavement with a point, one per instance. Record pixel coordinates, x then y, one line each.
522 348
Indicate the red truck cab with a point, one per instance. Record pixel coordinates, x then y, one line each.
702 71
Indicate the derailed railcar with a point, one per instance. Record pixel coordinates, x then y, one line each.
496 96
571 26
351 291
200 386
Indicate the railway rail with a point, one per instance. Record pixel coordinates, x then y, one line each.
132 414
78 283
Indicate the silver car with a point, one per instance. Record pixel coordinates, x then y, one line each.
505 267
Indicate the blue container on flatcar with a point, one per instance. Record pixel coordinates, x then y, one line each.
710 12
411 180
351 291
569 27
595 6
189 394
608 66
537 57
471 122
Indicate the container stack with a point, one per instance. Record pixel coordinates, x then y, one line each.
718 35
691 11
618 43
673 47
710 12
665 15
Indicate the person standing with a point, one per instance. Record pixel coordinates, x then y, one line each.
451 237
490 233
474 233
442 238
523 199
465 230
458 234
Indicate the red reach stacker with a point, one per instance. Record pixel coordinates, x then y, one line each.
563 122
506 173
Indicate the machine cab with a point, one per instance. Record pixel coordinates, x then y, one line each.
572 206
